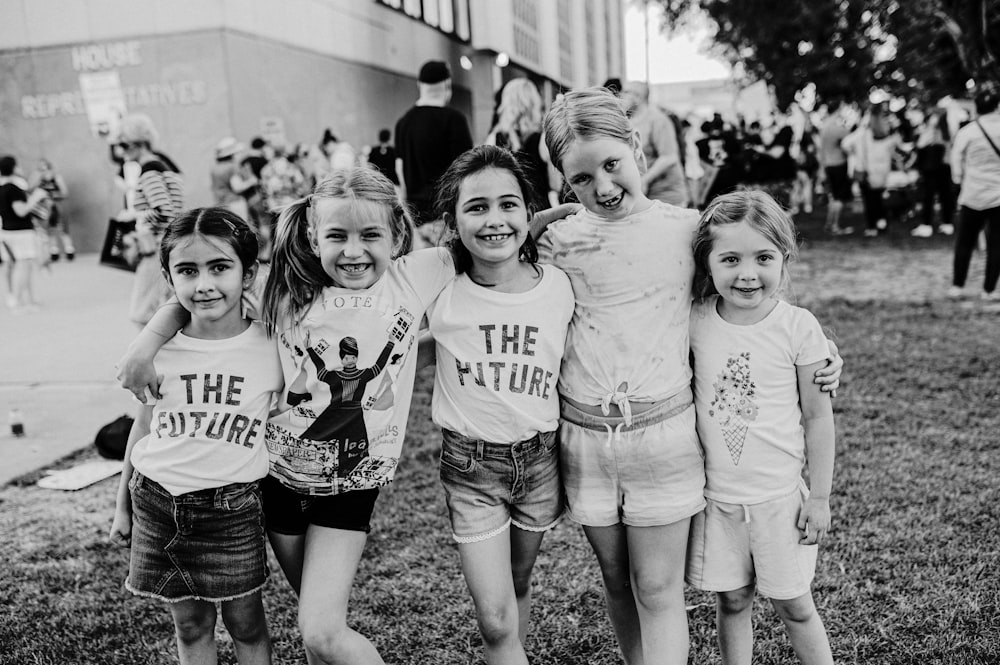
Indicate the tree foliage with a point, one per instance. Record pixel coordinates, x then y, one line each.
914 48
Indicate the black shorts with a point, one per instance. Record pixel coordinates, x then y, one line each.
838 183
290 513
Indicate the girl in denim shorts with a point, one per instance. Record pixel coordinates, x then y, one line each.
188 503
499 329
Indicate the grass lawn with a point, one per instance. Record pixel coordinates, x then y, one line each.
908 575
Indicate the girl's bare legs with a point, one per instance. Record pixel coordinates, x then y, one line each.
245 621
498 572
610 544
194 625
524 546
321 566
733 619
329 564
805 630
657 555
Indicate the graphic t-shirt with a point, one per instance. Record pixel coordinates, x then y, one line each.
746 394
208 430
349 365
498 357
632 283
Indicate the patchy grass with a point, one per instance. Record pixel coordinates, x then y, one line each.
908 576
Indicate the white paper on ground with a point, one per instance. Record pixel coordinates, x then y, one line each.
80 476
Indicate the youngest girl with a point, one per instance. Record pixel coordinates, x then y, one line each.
189 503
761 419
500 329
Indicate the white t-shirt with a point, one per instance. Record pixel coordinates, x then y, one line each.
349 367
746 393
208 430
498 357
632 283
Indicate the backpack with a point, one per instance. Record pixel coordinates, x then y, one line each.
112 439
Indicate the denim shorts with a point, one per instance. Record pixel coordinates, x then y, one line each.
733 545
649 473
203 545
489 486
290 513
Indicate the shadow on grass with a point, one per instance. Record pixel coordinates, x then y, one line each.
907 576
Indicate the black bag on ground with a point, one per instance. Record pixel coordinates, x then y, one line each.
112 439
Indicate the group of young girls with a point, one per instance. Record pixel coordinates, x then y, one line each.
563 383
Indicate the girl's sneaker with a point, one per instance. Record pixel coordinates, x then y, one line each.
955 293
946 229
990 296
922 231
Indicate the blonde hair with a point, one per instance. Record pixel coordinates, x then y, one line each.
520 111
297 276
585 114
761 213
138 128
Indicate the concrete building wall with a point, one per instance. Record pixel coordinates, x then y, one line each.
205 69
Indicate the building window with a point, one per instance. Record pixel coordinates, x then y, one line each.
449 16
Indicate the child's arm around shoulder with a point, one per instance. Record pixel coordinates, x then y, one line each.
541 219
121 527
136 371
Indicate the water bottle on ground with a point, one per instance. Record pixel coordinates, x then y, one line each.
16 423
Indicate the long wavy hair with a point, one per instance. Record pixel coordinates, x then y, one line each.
297 276
449 187
520 112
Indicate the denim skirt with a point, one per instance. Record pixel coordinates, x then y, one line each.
203 545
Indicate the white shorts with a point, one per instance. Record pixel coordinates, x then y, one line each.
19 245
732 546
649 474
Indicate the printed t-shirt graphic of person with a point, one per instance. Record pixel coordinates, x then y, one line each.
343 422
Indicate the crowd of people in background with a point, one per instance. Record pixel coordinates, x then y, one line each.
898 167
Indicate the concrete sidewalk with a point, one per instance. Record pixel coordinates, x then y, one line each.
57 363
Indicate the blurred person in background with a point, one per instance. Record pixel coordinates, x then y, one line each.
382 157
833 159
19 240
281 182
519 129
59 240
975 166
229 182
158 198
429 136
664 178
875 146
933 143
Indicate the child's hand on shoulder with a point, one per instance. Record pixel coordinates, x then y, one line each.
814 520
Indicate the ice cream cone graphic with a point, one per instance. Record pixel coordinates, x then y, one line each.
735 435
733 406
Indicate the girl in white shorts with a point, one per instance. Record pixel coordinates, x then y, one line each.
754 359
632 466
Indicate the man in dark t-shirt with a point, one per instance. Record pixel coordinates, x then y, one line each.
428 138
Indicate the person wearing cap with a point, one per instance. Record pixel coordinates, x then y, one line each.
429 137
157 199
229 184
